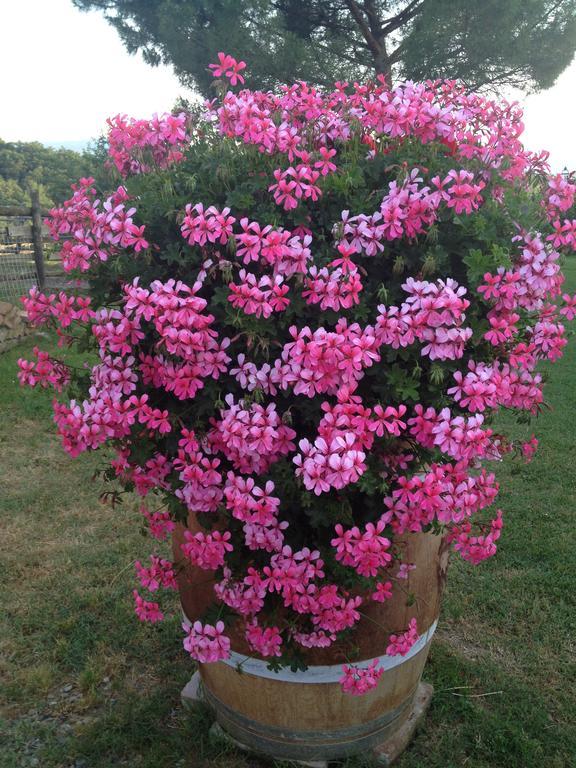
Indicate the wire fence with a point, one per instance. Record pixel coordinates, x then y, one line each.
22 237
28 256
17 271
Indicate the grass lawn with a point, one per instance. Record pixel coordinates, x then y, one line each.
84 685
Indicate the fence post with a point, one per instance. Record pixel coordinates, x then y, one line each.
37 238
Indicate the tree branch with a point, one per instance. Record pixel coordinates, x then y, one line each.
507 77
346 56
394 23
373 17
358 16
545 18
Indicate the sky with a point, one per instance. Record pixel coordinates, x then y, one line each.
64 72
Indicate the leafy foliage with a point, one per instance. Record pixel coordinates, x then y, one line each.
525 43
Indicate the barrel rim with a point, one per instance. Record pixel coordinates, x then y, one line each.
318 674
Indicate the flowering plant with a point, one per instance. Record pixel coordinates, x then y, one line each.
306 309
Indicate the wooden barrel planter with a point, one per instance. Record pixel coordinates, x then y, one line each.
304 715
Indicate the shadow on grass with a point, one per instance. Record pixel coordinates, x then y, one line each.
479 717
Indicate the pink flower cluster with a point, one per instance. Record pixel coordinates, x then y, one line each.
201 478
322 362
529 448
138 146
63 309
293 576
460 438
433 314
447 493
295 184
383 591
159 523
105 416
323 465
96 232
476 548
487 387
185 331
145 610
286 252
560 195
359 680
257 508
206 226
472 126
462 194
228 67
564 234
206 643
268 379
160 573
534 277
267 641
207 550
569 308
367 552
44 371
409 209
260 297
332 289
251 437
247 596
560 198
147 478
400 644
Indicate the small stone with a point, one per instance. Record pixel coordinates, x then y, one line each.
67 688
191 694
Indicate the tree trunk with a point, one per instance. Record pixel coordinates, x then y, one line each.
383 67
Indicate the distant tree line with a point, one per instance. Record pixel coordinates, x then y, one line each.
30 164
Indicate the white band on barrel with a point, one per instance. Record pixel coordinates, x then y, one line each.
320 674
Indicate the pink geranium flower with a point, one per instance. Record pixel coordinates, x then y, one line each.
228 67
206 643
400 644
360 680
147 611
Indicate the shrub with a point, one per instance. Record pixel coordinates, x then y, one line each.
306 309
